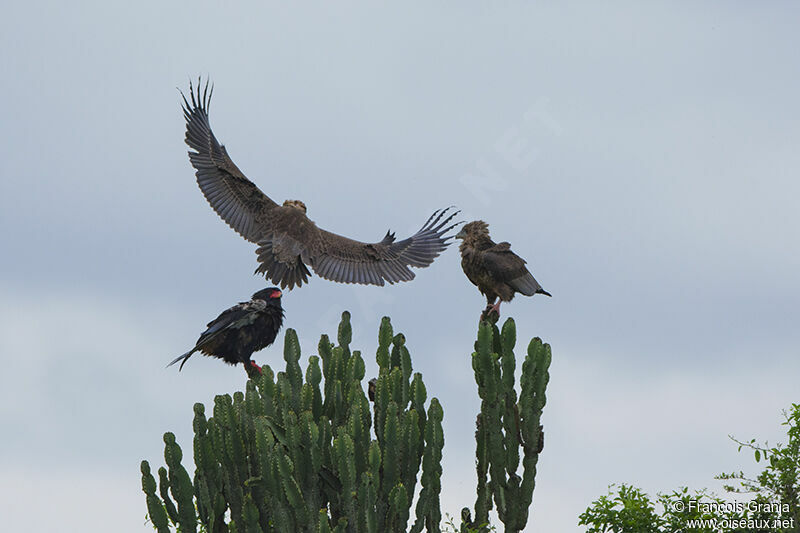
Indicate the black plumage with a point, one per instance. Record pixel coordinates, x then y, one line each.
289 243
493 267
241 330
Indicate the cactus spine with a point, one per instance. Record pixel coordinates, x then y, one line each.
295 452
506 425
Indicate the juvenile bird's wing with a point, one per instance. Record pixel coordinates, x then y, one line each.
346 260
234 197
508 267
293 241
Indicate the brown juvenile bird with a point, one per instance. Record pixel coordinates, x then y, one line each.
494 268
241 330
288 241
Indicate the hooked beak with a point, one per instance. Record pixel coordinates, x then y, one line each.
461 234
276 294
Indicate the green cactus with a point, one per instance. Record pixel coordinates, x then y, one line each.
155 507
308 452
505 426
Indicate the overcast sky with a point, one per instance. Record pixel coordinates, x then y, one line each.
643 157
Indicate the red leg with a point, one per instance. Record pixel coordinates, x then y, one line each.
491 305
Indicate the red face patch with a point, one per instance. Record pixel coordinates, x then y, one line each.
276 294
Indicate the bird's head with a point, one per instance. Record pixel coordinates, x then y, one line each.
268 294
297 204
471 230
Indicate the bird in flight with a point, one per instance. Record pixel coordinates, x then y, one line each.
289 243
241 330
493 267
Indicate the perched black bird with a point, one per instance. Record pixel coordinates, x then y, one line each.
494 268
289 243
241 330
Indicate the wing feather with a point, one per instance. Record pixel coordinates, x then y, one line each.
234 198
375 278
349 261
527 285
508 267
288 242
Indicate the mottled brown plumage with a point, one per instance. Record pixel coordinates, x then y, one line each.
493 267
288 241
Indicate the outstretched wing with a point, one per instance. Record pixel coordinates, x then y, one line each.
506 266
349 261
235 198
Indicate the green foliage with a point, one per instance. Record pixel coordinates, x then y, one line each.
629 510
775 507
683 511
507 425
779 482
297 452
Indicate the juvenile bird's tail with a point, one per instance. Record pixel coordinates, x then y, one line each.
527 285
185 357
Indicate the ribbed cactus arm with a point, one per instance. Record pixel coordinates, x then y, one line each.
180 484
507 425
313 380
428 511
536 375
291 354
155 508
345 333
385 336
510 412
343 451
163 490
